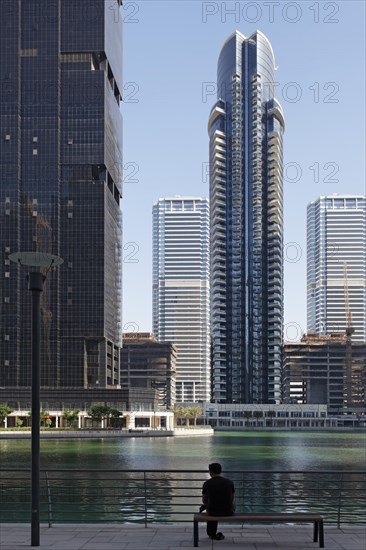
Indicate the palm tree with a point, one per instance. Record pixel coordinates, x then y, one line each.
196 411
187 415
4 412
71 417
178 413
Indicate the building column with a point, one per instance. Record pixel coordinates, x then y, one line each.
56 421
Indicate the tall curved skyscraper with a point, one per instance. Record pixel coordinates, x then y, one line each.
246 128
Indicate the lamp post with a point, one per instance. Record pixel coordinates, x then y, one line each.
35 285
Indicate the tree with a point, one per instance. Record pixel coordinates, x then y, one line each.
19 422
98 412
43 417
178 413
247 416
115 416
71 417
4 412
196 411
186 413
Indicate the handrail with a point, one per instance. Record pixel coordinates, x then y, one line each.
204 472
162 496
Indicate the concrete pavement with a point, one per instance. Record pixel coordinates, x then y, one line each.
172 537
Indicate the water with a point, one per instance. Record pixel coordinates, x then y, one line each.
162 496
235 450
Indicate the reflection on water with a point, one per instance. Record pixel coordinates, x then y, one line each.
235 450
145 496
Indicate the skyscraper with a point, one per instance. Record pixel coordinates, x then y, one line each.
336 264
60 187
181 290
246 128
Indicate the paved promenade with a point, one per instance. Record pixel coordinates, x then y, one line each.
172 537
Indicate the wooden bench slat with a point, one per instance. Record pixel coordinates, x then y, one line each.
260 517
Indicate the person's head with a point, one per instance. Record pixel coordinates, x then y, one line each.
214 469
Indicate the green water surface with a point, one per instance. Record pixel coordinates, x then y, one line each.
235 450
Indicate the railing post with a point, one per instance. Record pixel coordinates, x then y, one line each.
339 501
145 499
49 500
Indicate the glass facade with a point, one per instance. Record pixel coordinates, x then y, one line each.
60 188
246 128
181 290
147 363
336 250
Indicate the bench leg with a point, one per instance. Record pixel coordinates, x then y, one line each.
316 531
321 534
195 533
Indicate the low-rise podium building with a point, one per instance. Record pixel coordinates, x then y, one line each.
315 371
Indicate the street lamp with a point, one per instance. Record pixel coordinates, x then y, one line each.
35 285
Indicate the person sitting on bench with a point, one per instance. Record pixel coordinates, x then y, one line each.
218 497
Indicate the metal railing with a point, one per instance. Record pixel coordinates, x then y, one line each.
164 496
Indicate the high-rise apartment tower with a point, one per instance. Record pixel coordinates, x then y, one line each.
246 128
60 187
336 265
181 290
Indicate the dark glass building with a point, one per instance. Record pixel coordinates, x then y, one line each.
60 187
246 128
147 363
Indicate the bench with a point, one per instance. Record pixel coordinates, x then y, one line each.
290 517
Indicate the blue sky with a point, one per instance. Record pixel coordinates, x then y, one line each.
170 58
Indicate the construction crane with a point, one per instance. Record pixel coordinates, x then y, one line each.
348 389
